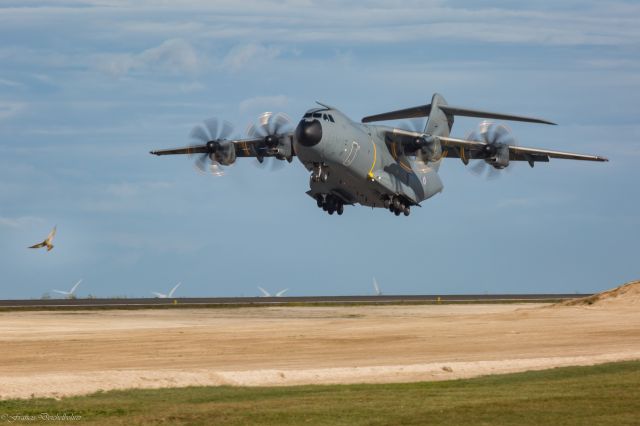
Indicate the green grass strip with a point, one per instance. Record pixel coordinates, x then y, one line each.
607 394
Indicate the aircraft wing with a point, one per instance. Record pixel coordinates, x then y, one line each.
251 147
468 149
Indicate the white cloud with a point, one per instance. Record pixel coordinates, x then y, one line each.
156 243
10 109
20 222
250 54
10 83
264 103
130 189
174 56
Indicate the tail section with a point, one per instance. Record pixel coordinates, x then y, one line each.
439 123
441 117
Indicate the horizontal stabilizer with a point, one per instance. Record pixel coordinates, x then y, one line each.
448 109
425 110
415 112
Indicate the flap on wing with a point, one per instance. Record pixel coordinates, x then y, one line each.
524 152
516 153
243 147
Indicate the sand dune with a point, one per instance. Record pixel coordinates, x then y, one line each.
78 352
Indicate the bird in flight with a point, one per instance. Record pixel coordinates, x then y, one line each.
48 242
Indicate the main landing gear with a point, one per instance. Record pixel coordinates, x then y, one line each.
396 206
320 173
330 203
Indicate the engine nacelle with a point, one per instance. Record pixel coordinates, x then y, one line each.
430 149
500 158
284 148
224 153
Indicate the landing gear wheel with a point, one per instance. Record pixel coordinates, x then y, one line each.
396 212
319 200
340 209
406 210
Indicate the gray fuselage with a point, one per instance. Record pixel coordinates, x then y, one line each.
362 165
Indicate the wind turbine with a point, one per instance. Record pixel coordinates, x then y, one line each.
48 242
376 287
70 294
166 296
265 293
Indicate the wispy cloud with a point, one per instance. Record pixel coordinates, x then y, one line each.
254 54
10 109
129 189
20 222
10 83
174 56
263 103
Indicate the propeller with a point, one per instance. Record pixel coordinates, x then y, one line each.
212 133
417 125
498 138
272 128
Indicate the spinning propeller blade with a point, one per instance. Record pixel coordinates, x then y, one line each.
495 136
210 133
271 127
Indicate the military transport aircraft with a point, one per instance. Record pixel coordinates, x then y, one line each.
371 165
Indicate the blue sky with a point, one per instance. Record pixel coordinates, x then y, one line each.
87 88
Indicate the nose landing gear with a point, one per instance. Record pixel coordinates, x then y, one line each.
320 173
330 204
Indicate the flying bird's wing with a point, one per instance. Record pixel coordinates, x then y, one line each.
173 289
265 293
42 244
61 292
281 292
51 235
160 295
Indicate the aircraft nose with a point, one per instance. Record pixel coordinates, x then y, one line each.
309 133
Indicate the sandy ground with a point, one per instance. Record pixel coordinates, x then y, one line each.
78 352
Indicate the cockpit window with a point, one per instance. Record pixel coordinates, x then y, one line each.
324 116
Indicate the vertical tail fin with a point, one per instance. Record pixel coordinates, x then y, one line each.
439 122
